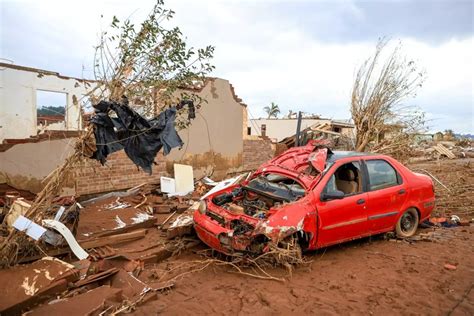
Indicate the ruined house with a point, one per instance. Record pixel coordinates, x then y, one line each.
279 128
33 144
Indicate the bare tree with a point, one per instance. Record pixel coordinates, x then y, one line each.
383 122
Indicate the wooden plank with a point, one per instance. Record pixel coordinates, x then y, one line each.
327 132
91 243
444 151
114 239
131 227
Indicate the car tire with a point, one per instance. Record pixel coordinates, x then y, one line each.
407 223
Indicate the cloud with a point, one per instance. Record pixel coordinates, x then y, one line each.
299 54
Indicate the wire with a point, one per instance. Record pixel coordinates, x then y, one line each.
186 148
210 144
252 121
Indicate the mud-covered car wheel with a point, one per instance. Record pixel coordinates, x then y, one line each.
407 223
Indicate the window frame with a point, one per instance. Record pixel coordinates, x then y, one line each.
336 166
367 176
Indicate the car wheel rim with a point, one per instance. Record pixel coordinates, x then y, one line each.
407 222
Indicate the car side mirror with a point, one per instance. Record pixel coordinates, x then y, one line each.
334 195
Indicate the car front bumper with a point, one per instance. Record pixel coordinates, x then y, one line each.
221 238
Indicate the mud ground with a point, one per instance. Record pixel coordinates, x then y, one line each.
369 276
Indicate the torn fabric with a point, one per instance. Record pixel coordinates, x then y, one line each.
141 138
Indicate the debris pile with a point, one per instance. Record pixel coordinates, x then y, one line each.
141 139
93 251
453 180
435 150
319 131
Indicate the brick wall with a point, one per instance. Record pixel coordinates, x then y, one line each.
118 173
256 152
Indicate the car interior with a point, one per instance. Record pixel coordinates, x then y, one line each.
347 178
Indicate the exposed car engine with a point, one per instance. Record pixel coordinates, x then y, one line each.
260 195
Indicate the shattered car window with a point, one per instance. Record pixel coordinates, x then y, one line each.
331 185
278 186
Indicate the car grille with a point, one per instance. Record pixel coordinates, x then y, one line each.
216 217
240 227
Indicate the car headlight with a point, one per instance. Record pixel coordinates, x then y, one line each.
202 207
225 240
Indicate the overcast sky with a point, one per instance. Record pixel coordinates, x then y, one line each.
300 54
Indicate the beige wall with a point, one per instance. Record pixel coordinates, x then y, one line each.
24 165
214 141
18 86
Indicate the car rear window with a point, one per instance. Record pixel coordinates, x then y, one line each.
381 174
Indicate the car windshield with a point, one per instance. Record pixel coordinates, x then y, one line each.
278 186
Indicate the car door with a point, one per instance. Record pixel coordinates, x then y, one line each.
340 219
387 193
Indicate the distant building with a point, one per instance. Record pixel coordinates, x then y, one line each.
438 136
279 128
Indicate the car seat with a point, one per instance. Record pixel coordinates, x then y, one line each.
346 181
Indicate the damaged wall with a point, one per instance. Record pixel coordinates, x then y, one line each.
118 173
214 141
215 144
256 151
23 166
18 99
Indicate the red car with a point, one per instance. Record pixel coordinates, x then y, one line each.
319 197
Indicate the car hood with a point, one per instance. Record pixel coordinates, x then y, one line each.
305 163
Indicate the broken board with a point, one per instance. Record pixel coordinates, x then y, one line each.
184 179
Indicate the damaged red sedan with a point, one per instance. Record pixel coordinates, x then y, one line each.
317 197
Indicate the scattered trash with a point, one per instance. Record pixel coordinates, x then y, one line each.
30 228
445 222
222 185
66 233
59 213
167 185
18 207
451 267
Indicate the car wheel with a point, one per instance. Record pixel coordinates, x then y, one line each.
407 223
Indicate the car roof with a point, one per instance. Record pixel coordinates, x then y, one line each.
340 154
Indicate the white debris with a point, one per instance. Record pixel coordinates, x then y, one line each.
182 220
66 233
141 217
30 289
222 185
120 223
32 229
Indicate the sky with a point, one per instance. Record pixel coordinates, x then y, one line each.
302 55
